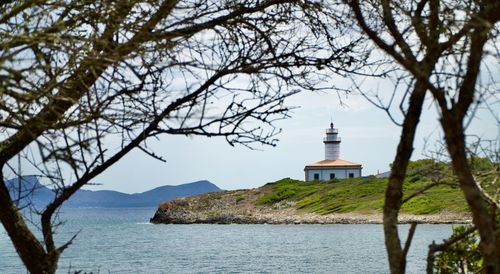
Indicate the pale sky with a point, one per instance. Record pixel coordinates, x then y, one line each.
368 138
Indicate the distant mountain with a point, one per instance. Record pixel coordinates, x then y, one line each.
27 190
31 191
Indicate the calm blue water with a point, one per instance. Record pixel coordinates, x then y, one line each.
122 241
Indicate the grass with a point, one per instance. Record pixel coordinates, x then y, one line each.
362 195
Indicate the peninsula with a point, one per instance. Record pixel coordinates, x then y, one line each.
345 201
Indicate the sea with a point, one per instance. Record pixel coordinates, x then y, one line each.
121 240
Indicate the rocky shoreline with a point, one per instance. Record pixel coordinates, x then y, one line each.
345 218
231 207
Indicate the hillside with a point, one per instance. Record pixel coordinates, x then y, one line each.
358 200
362 195
39 195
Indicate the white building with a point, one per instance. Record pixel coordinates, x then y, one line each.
332 167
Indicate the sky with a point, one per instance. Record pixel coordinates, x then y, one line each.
368 138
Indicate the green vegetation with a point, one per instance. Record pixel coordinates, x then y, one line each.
366 195
239 198
362 195
462 256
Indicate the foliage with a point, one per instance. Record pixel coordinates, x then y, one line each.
461 257
239 199
428 168
281 195
363 195
482 164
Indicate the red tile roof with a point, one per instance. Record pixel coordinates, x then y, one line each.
333 164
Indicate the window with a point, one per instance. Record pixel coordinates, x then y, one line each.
316 176
351 175
332 176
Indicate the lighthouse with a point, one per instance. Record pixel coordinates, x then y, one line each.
332 167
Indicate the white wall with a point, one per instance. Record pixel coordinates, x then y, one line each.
332 151
324 174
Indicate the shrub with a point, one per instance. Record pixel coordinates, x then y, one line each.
462 257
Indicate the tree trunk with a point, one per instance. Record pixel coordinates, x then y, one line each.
29 248
483 218
394 191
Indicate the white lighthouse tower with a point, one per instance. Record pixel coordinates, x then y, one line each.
332 143
332 167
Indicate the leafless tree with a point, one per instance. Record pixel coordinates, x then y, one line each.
447 50
82 83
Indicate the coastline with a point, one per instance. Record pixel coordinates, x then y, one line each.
210 210
342 218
